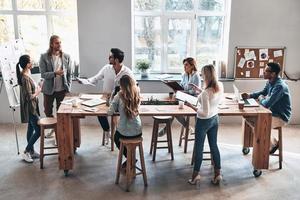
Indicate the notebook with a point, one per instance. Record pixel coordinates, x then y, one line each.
174 85
248 102
186 97
93 102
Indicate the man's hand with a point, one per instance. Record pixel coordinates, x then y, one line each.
261 97
245 96
59 72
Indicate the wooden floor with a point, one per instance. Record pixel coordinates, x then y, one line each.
95 168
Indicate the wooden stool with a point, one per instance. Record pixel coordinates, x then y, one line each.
161 120
46 123
279 129
204 152
185 136
130 145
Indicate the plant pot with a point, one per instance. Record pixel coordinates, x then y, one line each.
144 73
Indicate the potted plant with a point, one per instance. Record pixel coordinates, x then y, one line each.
143 66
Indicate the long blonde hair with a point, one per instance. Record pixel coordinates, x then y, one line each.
210 78
130 95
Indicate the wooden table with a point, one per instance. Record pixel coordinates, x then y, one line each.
258 121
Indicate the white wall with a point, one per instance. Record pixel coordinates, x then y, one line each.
106 24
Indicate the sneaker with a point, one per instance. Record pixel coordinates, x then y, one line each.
34 155
27 157
50 134
162 132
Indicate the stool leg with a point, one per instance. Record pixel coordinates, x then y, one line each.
42 147
186 134
155 135
133 161
280 147
143 164
152 138
119 163
128 168
181 134
170 140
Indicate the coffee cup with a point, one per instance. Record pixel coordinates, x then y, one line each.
241 105
74 103
180 103
171 95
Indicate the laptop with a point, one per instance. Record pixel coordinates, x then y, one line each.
93 102
248 102
186 97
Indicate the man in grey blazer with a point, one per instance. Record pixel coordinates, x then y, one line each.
55 66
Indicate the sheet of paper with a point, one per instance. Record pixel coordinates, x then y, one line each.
247 74
222 106
241 62
261 73
261 64
164 76
270 60
250 55
85 81
277 53
263 54
91 96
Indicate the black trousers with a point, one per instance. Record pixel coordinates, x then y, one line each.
119 136
103 122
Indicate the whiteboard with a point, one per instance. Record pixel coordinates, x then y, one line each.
9 57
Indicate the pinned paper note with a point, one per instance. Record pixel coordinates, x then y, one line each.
261 64
241 62
247 74
263 54
261 73
250 64
270 60
277 53
250 55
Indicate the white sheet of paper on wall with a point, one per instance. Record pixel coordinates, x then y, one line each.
261 64
271 60
246 50
263 54
261 73
241 62
247 74
250 55
277 53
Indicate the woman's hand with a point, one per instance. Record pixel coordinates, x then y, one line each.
190 105
195 88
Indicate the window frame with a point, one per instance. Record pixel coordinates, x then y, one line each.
192 15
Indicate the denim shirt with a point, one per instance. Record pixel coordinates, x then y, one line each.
126 126
277 99
193 78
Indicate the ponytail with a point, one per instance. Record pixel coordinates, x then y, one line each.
18 74
23 61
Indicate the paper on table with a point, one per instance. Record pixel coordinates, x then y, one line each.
222 106
90 96
164 76
84 81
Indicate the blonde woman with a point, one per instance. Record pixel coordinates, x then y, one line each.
126 102
207 122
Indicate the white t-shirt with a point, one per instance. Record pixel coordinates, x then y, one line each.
110 78
58 82
208 102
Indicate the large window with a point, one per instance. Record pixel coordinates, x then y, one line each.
167 31
36 20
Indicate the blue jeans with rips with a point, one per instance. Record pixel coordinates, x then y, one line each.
207 127
33 132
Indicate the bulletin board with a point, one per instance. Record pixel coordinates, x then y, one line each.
250 62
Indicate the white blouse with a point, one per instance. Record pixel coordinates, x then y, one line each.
208 102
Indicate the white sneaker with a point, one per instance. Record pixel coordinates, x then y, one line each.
34 155
50 134
27 157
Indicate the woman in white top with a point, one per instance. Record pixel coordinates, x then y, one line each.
207 122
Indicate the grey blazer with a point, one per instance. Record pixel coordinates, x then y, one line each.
47 72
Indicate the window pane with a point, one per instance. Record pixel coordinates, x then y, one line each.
66 28
147 40
179 40
68 5
6 28
30 4
212 5
5 5
209 39
33 30
144 5
179 5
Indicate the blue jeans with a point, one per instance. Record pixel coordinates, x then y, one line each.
209 127
33 132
